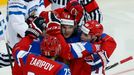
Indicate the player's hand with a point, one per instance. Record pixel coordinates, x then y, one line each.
103 56
36 27
49 16
53 26
75 9
53 23
30 19
96 47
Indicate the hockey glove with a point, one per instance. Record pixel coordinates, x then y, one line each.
30 19
53 26
36 27
104 58
75 9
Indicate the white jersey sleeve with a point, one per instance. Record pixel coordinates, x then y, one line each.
3 24
18 12
40 8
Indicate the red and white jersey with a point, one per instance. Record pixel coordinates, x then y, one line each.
35 65
29 63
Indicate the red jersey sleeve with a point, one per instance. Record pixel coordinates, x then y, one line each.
108 44
47 2
90 6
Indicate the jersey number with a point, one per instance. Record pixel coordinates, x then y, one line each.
67 71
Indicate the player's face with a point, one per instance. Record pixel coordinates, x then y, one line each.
67 30
87 37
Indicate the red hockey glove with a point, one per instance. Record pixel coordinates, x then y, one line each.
104 58
75 9
96 47
53 28
48 16
91 48
36 27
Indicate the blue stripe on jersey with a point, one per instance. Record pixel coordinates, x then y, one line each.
97 66
36 45
64 70
74 53
88 47
106 56
41 4
1 32
32 9
16 13
5 27
16 56
16 6
103 35
23 58
41 1
96 57
2 22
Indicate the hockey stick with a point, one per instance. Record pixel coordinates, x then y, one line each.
8 48
8 51
118 63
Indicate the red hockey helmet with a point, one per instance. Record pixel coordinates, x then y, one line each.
92 27
67 18
50 46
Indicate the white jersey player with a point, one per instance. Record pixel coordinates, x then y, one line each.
3 24
18 12
4 58
92 11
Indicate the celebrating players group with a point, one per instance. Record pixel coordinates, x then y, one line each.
66 40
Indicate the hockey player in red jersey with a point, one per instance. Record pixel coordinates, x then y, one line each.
105 45
28 63
88 66
94 32
54 29
68 28
69 52
100 59
31 63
